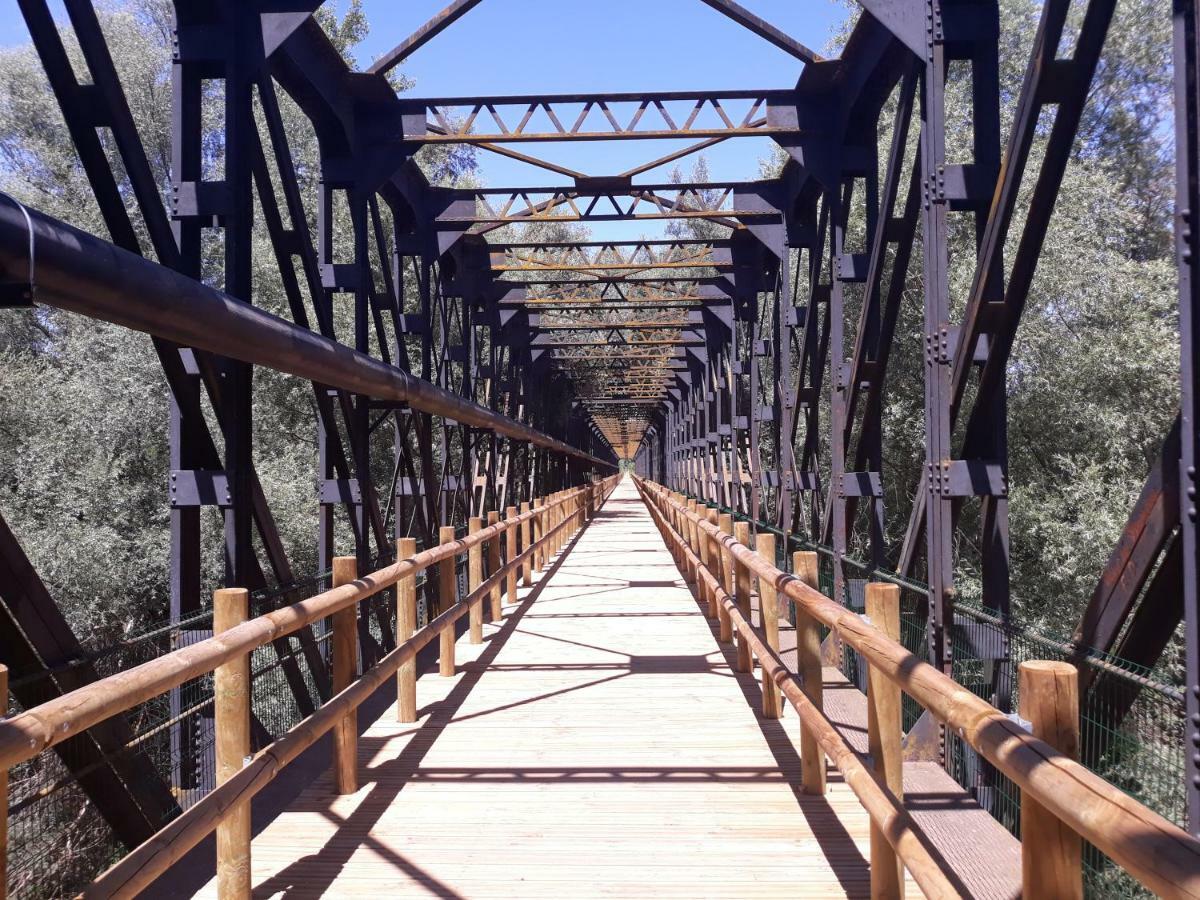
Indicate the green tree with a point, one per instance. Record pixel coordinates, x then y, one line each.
1093 378
83 405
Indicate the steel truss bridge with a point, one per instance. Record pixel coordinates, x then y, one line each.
740 373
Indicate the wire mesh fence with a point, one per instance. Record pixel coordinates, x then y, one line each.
1131 717
58 838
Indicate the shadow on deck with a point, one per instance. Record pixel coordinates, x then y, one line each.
597 742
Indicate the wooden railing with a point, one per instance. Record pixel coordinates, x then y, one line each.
1063 802
543 530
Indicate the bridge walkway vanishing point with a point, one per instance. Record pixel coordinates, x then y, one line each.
598 743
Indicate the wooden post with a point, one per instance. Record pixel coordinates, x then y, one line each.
883 737
231 711
539 532
1051 853
406 626
510 555
527 564
671 512
768 601
725 523
709 598
808 662
689 539
672 516
672 519
694 542
714 563
745 661
551 521
681 529
555 511
345 670
474 579
447 597
494 566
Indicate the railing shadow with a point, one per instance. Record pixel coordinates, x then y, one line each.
384 780
840 851
314 873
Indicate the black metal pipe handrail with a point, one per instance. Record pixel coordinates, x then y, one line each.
85 274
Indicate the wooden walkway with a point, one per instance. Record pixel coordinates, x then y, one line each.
596 745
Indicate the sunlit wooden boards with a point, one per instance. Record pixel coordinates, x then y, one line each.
596 745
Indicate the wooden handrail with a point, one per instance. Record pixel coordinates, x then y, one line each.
1159 854
890 816
145 863
28 733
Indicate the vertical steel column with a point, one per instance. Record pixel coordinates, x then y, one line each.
240 69
1186 51
185 562
360 418
837 201
783 395
938 352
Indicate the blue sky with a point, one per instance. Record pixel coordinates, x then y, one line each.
569 46
566 46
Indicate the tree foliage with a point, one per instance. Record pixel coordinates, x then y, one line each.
1093 378
83 405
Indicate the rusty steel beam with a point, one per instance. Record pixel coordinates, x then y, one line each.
501 150
596 401
528 266
664 282
767 112
1152 522
683 152
763 29
706 201
422 36
540 306
609 326
644 242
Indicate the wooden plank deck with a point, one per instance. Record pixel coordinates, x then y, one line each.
596 745
982 858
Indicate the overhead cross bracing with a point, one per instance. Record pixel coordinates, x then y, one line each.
603 117
590 302
637 256
607 200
